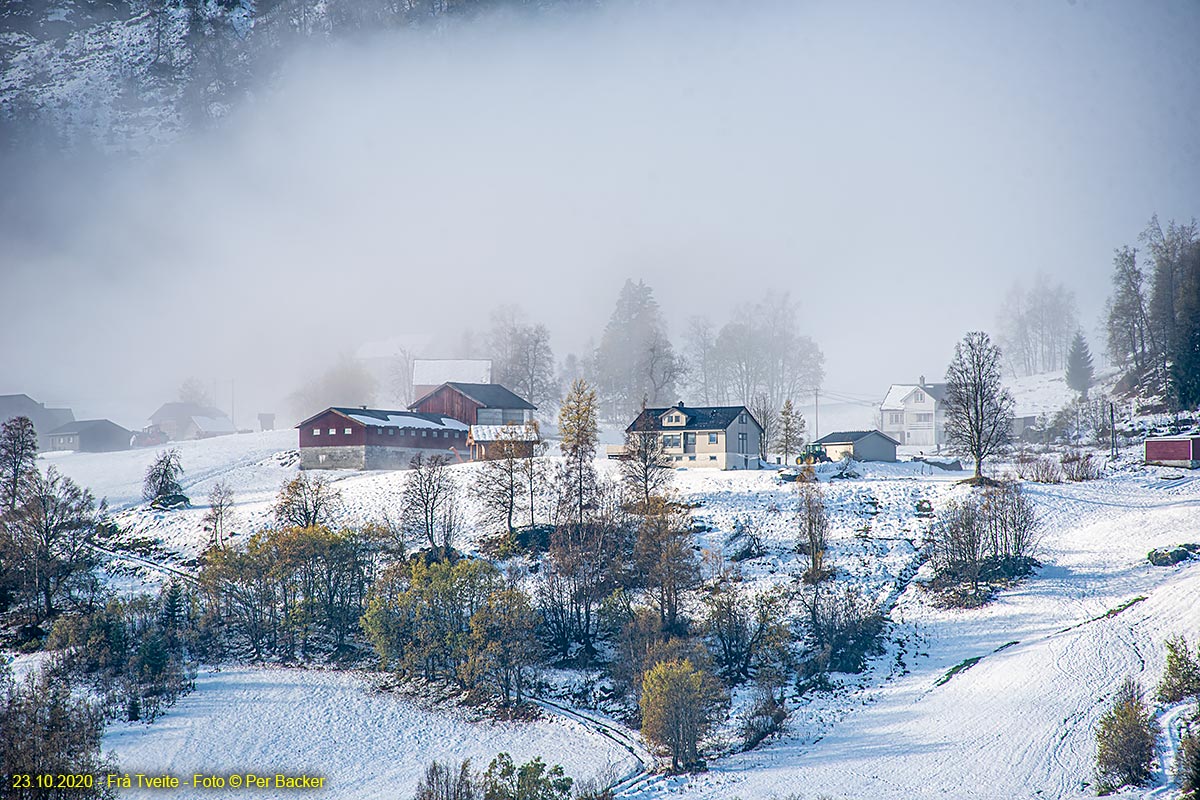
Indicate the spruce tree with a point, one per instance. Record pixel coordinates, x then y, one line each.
791 430
1079 365
579 431
18 450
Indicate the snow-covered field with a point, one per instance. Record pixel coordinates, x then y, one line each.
1019 723
367 744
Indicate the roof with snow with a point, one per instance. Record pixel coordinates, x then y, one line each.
899 391
488 395
699 418
386 418
213 425
508 433
850 437
436 371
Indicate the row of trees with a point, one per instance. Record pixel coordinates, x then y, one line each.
1153 313
48 528
1037 327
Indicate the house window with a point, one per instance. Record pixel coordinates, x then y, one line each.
316 431
895 418
391 431
712 458
691 458
333 431
742 418
918 397
924 417
741 443
671 440
712 438
424 433
346 431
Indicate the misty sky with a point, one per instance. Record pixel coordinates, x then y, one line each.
895 167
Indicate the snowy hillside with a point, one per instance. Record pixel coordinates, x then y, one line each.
1018 722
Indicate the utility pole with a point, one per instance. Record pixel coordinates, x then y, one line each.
1112 428
816 414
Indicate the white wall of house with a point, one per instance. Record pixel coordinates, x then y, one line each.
919 421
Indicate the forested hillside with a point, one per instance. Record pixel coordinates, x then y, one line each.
125 75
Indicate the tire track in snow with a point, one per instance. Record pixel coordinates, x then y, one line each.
645 761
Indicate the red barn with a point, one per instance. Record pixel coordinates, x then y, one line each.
476 404
371 438
1173 451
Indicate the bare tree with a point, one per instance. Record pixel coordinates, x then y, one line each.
307 501
428 506
192 391
768 418
814 527
979 410
220 513
500 481
645 468
53 528
162 476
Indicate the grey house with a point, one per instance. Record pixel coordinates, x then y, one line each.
859 445
44 419
91 436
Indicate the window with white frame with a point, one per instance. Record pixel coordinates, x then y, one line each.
712 438
316 431
346 431
671 440
333 431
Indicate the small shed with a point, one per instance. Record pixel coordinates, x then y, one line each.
859 445
1173 451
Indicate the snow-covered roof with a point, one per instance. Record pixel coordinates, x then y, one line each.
510 433
402 419
894 401
436 371
213 424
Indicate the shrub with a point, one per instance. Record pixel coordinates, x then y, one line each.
1077 466
1126 740
845 628
1046 469
1181 677
765 718
679 704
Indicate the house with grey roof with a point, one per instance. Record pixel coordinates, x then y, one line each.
476 404
44 419
914 414
860 445
91 436
374 438
709 437
184 421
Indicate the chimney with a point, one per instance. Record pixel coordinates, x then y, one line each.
679 404
922 381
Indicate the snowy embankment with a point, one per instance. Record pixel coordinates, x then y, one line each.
1035 668
1019 722
366 743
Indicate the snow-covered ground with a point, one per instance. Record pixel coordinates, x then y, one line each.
1018 723
366 743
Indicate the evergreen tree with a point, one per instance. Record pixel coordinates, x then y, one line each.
579 430
791 430
1079 365
18 452
1126 740
635 359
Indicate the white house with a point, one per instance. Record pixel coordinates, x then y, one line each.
914 414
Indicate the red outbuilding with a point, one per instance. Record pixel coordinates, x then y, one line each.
1173 451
